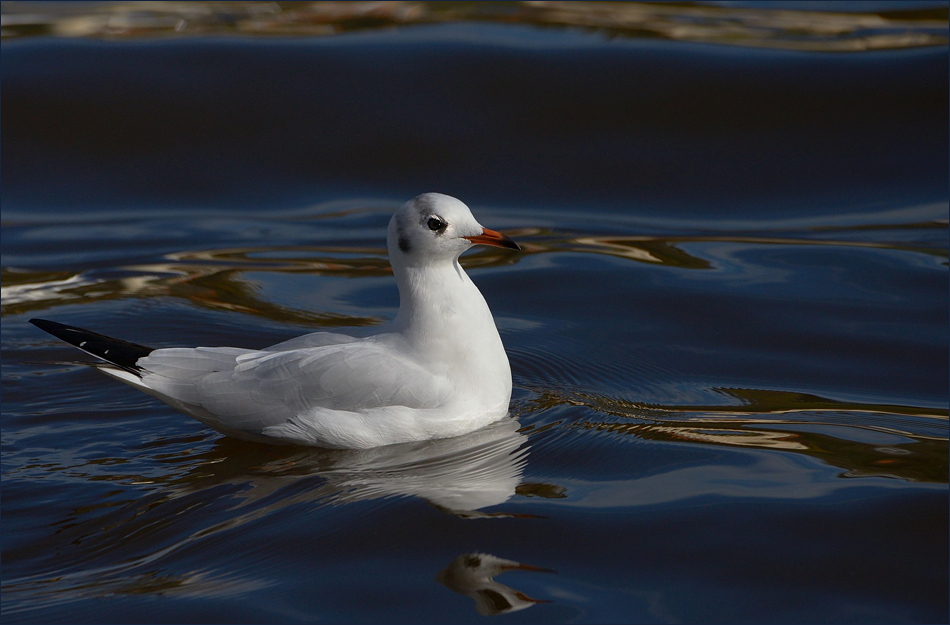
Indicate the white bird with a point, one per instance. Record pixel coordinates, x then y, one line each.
439 369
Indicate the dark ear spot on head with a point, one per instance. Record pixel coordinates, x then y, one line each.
404 243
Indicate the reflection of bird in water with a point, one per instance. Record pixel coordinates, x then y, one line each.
459 475
246 482
438 370
471 574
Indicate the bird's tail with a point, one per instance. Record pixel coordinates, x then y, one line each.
117 352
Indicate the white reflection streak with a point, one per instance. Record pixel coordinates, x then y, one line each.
53 290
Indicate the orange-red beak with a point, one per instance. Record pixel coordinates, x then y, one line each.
495 239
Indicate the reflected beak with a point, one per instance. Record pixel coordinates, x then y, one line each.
495 239
526 567
528 599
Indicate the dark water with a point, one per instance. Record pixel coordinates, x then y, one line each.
727 329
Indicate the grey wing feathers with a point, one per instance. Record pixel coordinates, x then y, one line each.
250 389
199 379
352 376
315 339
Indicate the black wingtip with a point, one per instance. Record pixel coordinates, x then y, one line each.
116 351
47 326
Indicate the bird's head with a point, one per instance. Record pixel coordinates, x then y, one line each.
433 227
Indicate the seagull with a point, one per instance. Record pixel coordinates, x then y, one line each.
438 370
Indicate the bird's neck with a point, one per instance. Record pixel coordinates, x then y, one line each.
442 312
444 318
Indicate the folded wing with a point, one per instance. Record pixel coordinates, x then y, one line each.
250 390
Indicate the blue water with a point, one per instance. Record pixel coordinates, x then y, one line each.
727 327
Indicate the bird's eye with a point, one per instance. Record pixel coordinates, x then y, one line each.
435 224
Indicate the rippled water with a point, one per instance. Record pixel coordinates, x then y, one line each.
727 327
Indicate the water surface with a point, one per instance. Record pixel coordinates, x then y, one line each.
727 327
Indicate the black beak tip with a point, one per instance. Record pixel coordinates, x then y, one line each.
510 244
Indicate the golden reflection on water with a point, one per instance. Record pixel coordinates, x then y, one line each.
216 278
829 430
759 26
753 418
750 418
